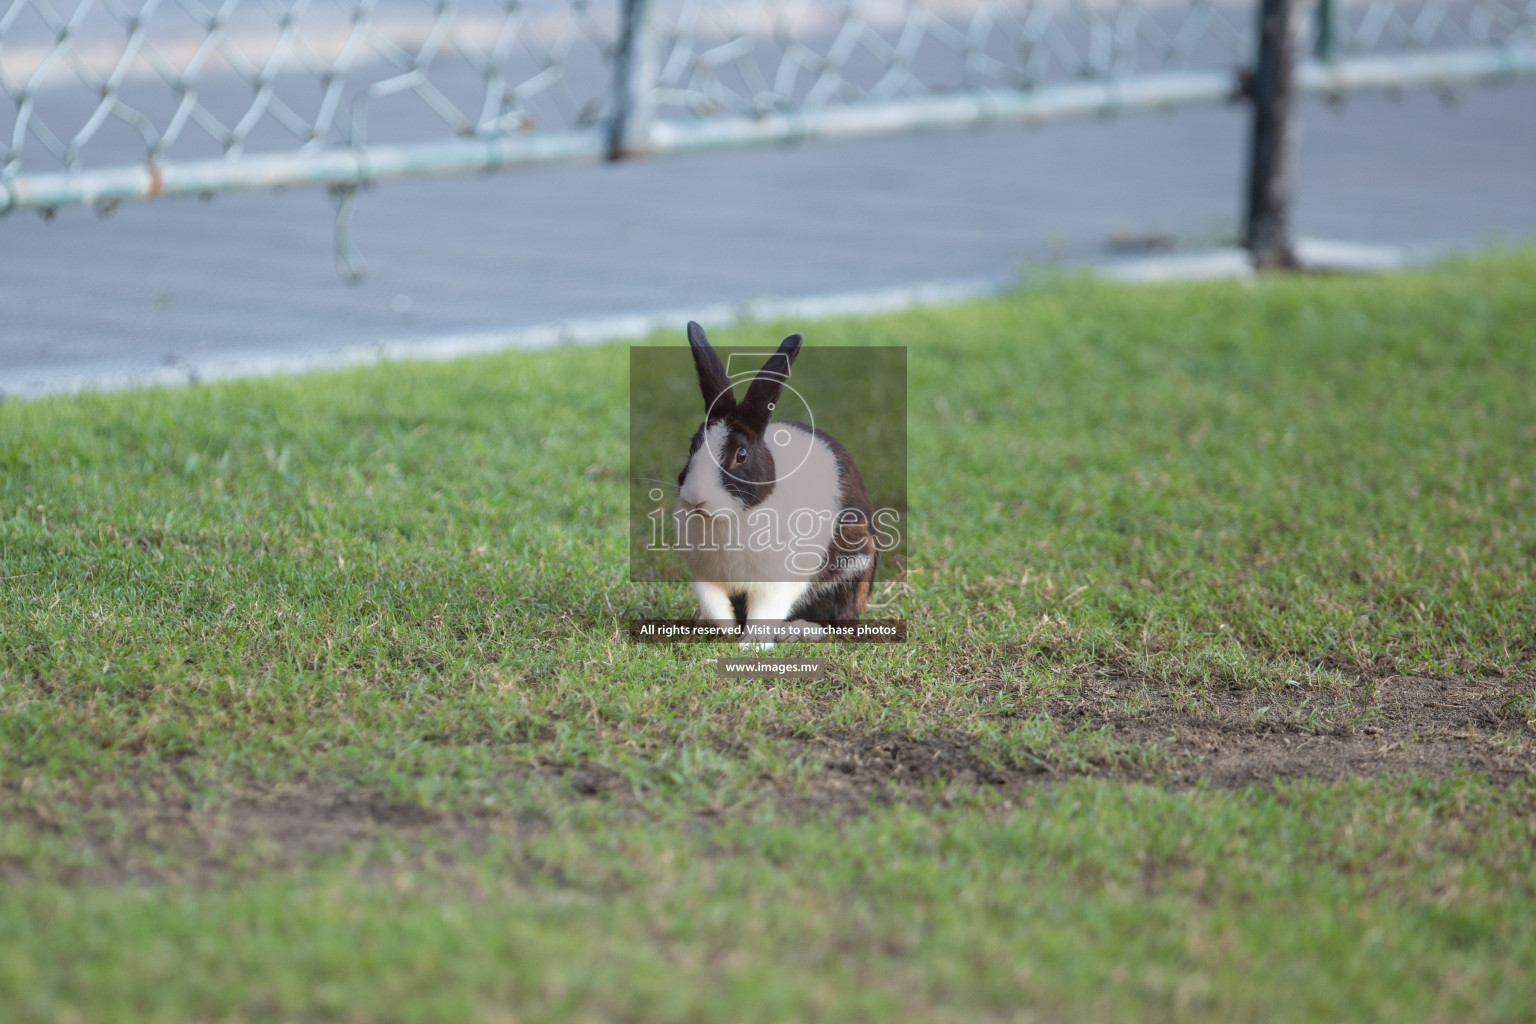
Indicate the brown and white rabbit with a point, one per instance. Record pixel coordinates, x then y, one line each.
774 521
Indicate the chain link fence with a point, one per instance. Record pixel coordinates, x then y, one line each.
111 100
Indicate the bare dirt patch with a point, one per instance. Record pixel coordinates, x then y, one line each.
157 829
860 769
1179 734
153 832
1238 736
1113 727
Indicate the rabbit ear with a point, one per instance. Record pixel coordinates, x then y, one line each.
764 392
714 385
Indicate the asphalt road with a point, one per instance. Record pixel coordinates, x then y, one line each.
184 279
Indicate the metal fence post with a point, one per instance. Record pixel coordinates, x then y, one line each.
1325 43
634 74
1272 90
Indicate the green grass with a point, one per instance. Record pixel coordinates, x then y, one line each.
1383 901
409 585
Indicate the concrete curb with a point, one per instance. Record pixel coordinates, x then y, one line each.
1226 263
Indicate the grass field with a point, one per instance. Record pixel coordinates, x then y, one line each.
1219 702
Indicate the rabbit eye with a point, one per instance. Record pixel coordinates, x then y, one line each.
741 454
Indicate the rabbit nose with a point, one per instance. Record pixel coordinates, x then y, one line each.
692 506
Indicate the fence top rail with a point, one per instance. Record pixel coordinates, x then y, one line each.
108 100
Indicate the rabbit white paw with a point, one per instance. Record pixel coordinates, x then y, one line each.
807 632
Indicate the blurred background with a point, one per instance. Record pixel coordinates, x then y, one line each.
324 174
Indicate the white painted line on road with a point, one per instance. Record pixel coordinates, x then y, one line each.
1356 257
591 331
1315 254
1185 266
